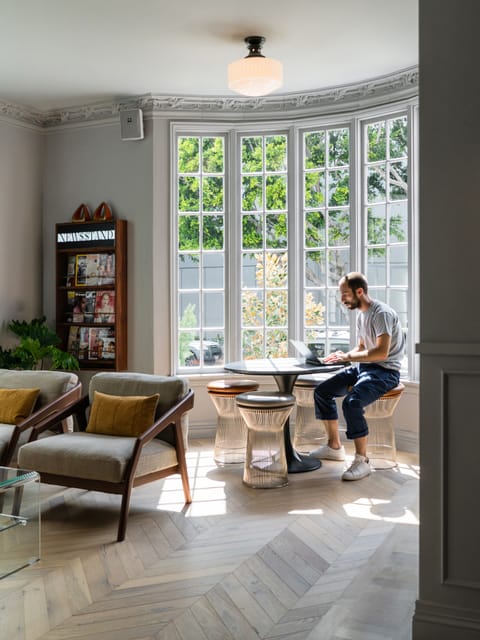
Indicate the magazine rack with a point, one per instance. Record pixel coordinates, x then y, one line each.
91 292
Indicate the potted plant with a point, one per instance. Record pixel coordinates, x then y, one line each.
37 348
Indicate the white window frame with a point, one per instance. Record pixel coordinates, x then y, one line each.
294 131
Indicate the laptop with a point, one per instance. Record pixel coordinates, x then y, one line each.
311 353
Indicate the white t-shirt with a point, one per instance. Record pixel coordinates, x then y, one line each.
377 320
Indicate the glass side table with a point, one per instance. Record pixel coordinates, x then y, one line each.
19 519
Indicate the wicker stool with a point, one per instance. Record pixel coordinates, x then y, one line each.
265 414
231 433
309 432
381 437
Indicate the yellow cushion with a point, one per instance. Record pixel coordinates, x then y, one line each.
121 415
16 404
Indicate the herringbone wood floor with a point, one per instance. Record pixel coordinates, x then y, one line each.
320 559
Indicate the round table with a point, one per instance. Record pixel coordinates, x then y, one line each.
285 371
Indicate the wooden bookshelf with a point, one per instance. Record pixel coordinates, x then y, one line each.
91 292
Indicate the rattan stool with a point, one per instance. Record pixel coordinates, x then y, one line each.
231 433
265 413
381 447
309 432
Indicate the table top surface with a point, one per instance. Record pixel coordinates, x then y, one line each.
278 367
16 477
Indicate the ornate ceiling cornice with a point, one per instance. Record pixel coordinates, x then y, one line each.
403 84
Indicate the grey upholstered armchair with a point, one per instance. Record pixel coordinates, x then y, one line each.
99 458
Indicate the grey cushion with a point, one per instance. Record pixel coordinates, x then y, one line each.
93 456
51 383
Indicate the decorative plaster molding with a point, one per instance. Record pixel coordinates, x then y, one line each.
400 85
22 114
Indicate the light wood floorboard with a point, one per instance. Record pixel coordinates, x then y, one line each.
320 559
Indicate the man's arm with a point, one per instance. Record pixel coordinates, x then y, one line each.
360 354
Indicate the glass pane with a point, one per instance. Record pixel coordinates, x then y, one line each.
188 193
213 194
398 299
249 270
376 188
252 232
276 270
398 137
277 343
337 312
338 188
276 193
252 308
338 341
276 231
188 356
314 229
376 225
213 155
398 222
276 309
213 237
252 154
377 266
338 147
213 271
188 233
214 341
252 344
213 305
314 308
188 309
379 293
315 269
338 265
188 155
314 189
399 265
338 228
314 150
252 196
398 180
189 271
376 142
276 153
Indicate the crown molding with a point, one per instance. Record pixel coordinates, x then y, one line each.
400 85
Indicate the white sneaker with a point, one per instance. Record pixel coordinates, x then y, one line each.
327 453
360 468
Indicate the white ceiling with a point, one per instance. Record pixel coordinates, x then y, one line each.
61 53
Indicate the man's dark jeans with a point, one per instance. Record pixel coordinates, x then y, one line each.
361 386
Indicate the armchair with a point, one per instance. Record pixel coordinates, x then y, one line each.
58 391
118 463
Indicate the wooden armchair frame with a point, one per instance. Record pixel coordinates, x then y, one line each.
124 488
55 412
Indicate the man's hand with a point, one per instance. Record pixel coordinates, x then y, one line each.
336 357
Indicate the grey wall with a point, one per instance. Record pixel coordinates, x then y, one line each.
91 164
21 162
449 599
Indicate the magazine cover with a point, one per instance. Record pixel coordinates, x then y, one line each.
105 306
71 271
106 268
71 301
92 270
81 270
73 341
90 298
106 343
76 303
83 343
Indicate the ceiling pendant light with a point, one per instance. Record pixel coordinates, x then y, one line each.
255 75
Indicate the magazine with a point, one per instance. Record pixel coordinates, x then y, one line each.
71 263
106 343
80 306
106 268
81 270
105 306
